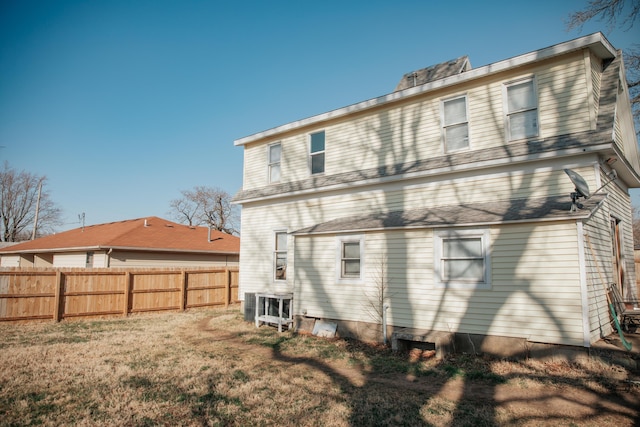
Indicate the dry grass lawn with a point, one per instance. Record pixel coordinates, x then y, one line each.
210 368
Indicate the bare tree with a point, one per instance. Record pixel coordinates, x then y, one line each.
378 295
210 206
621 13
19 203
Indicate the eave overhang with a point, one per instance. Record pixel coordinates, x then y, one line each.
112 248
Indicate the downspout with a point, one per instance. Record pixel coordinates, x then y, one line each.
584 291
385 307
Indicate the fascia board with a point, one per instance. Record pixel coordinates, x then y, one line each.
53 250
190 251
596 42
118 248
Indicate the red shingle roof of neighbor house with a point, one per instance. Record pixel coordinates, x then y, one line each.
144 234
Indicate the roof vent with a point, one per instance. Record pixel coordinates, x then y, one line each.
146 224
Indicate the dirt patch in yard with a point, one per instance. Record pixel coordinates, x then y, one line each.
212 368
588 392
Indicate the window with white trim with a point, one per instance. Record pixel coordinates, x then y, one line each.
455 126
275 153
350 258
316 152
462 259
522 110
280 256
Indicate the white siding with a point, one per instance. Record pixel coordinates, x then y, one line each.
10 261
74 259
411 131
543 275
535 292
146 259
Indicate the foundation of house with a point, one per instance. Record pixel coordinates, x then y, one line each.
444 343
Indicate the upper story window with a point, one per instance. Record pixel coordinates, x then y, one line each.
280 256
316 152
454 124
275 153
350 258
462 259
522 110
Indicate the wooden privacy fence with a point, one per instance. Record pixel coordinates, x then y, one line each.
27 294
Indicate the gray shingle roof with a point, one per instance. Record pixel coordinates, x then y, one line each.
515 149
554 208
434 72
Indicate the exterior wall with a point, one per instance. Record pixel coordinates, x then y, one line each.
73 259
546 283
145 259
261 220
619 205
535 291
100 259
412 131
596 83
43 260
624 131
121 259
598 270
10 261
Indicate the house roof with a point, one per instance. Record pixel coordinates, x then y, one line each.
151 234
556 208
434 72
596 42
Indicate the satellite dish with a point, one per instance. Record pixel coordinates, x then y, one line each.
582 188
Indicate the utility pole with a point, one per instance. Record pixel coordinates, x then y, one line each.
35 220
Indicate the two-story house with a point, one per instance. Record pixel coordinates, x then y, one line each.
445 206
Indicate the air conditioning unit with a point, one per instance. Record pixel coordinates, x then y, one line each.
249 306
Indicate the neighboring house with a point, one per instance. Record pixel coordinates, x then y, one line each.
447 200
143 242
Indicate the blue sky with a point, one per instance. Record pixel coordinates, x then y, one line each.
123 104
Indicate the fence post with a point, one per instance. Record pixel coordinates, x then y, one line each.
59 298
127 293
183 290
227 287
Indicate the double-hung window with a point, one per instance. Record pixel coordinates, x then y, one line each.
275 153
455 124
461 259
522 110
280 256
350 258
316 152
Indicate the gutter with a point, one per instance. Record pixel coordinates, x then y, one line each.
110 249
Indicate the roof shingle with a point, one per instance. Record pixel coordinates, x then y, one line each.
144 234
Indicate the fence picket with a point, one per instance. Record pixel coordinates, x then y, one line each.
101 292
